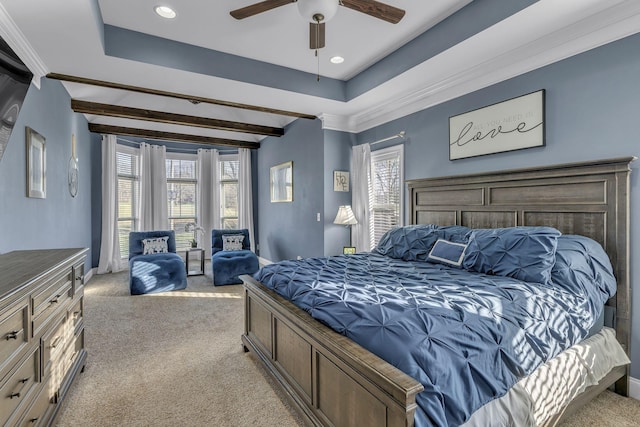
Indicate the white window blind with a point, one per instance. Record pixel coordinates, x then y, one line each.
181 196
128 167
386 197
229 191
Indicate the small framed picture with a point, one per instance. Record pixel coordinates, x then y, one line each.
348 250
340 181
36 164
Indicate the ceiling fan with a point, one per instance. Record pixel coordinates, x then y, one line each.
317 12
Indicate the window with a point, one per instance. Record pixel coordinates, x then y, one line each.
385 199
128 167
181 196
229 191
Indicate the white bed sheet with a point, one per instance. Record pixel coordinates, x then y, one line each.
544 393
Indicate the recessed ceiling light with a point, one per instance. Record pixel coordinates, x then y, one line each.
337 60
165 12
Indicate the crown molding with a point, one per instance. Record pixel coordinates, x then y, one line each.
337 122
608 25
18 42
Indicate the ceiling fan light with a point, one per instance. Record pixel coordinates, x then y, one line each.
309 8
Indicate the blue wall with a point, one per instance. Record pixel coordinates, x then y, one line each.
58 221
592 107
288 230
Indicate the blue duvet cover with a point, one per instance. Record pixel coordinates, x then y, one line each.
467 337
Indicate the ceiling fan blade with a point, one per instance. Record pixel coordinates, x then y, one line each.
376 9
257 8
316 35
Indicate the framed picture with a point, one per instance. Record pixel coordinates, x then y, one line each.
506 126
36 164
348 250
281 182
340 181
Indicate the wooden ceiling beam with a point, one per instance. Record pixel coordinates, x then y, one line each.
171 136
87 107
191 98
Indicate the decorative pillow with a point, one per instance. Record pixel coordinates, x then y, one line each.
414 242
156 245
524 253
582 264
232 242
448 253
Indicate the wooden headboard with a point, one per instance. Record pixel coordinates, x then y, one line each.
590 199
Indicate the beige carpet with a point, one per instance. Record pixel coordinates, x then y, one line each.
175 359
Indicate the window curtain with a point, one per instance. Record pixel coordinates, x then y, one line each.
208 214
361 179
245 193
110 260
153 188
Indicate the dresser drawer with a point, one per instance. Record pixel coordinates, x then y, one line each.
76 313
47 302
78 278
15 390
14 334
37 414
54 344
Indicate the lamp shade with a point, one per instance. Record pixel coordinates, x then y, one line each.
309 8
345 216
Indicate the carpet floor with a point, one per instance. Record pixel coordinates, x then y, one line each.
175 359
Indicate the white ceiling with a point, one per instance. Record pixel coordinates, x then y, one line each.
66 38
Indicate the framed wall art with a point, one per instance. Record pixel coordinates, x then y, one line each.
514 124
340 181
36 164
281 182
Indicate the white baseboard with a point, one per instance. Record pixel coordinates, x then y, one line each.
88 275
634 388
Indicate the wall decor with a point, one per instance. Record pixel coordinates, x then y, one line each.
36 164
340 181
73 169
281 182
509 125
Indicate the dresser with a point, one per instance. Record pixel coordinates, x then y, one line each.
41 332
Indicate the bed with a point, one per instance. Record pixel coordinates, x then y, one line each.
335 381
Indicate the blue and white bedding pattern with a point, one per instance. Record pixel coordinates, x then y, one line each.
466 336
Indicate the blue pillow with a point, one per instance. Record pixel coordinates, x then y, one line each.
582 267
414 242
524 253
448 253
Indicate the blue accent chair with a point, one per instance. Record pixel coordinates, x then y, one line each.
153 273
226 266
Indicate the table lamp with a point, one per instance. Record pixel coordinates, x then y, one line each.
346 217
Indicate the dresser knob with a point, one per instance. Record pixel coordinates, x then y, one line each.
13 335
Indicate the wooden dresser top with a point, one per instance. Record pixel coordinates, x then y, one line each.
20 268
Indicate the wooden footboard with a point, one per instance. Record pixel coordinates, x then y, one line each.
331 379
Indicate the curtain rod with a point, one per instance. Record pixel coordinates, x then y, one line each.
174 149
400 134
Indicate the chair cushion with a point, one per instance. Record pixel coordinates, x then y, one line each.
156 273
228 265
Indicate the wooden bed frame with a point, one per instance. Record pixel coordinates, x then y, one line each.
334 381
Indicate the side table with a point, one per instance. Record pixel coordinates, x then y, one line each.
194 261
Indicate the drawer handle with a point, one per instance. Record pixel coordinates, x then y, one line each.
13 335
33 420
54 299
55 342
12 395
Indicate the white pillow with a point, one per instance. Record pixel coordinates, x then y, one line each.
232 242
156 245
